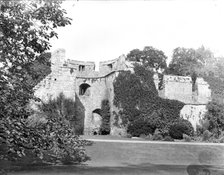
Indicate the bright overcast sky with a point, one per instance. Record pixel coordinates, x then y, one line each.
103 30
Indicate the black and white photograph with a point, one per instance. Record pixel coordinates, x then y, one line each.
111 87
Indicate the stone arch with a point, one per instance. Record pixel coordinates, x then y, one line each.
96 121
84 89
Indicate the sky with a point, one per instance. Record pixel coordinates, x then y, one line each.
103 30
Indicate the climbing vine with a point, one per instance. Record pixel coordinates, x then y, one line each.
137 97
216 85
105 112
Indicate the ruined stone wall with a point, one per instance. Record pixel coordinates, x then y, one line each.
112 65
193 113
59 80
80 66
180 88
92 99
68 75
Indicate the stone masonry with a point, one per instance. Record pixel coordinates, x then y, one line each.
78 80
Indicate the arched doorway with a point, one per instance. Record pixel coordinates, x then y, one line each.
96 121
84 89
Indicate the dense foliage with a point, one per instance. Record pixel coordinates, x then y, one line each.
149 57
39 68
105 113
60 129
215 117
137 97
140 126
180 127
186 61
25 30
216 84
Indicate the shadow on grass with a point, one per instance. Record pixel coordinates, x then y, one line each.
145 168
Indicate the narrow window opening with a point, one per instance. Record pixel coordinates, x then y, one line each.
81 67
71 70
110 66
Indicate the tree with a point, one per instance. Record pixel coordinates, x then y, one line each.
200 62
215 117
39 68
149 56
59 118
219 67
26 28
184 62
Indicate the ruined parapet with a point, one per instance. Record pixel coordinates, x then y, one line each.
181 88
80 66
112 65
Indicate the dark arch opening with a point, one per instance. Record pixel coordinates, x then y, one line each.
84 89
98 111
96 121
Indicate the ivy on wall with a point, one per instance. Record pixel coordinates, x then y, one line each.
137 98
105 113
216 85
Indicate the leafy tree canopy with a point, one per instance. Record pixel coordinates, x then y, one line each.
26 28
185 61
149 56
200 62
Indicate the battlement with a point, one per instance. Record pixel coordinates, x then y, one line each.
113 65
85 63
183 79
174 78
86 68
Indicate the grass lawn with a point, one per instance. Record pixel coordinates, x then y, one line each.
140 158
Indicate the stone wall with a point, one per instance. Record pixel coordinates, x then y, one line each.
79 80
91 100
180 88
193 113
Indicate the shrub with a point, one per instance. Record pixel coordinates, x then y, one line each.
142 136
129 136
199 130
63 144
221 140
186 138
148 137
181 127
206 135
157 136
140 126
215 116
168 138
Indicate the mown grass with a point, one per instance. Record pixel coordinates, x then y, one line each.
139 158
